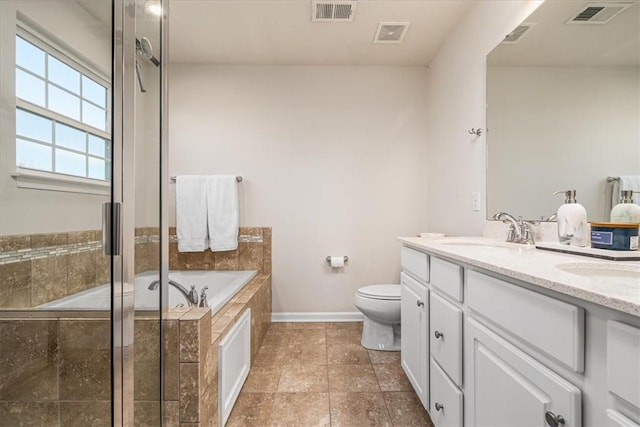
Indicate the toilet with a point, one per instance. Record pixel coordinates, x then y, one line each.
380 305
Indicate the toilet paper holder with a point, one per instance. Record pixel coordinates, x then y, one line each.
328 259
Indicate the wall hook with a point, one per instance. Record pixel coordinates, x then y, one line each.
476 132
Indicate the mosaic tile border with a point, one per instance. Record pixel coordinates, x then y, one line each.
47 252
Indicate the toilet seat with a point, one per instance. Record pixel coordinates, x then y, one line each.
380 292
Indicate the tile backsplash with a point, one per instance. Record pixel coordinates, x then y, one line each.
39 268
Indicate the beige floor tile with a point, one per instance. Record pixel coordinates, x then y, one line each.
306 325
262 379
392 378
303 378
352 378
306 352
269 355
377 356
405 409
251 409
301 409
343 336
306 336
358 409
347 354
345 325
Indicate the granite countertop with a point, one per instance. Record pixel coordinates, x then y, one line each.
539 268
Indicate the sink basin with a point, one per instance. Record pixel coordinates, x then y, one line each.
619 273
478 243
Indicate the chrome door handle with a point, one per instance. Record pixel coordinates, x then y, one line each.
420 303
111 228
438 334
553 420
439 406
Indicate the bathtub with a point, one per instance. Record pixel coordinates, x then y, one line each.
223 285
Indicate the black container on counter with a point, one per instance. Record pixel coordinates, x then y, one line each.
617 236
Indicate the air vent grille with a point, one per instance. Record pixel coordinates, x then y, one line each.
332 11
391 32
598 13
517 34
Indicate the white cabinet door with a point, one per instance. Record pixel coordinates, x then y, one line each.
415 329
446 336
446 399
507 387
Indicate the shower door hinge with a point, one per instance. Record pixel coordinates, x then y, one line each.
111 220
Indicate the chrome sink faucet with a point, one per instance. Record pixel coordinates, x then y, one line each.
190 295
519 229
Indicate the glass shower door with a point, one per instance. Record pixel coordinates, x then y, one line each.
57 149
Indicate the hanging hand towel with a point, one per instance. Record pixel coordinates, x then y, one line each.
631 183
223 212
191 213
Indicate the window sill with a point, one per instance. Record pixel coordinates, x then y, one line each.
40 180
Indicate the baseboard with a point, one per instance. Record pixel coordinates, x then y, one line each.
345 316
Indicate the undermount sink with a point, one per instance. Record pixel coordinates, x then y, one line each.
477 242
621 273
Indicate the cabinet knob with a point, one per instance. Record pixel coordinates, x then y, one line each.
438 334
420 303
553 420
439 407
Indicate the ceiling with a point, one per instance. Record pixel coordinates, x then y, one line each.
551 42
281 32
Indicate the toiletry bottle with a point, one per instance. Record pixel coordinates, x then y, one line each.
572 220
626 210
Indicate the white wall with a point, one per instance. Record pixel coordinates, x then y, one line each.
333 158
573 127
457 100
27 210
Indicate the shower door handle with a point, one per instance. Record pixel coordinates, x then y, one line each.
111 228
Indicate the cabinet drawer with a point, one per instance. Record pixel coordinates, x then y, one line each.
415 262
446 399
447 277
446 336
551 326
623 362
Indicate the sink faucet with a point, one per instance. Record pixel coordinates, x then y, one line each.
191 296
519 229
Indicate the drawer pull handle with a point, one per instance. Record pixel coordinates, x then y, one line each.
439 406
420 303
553 420
438 334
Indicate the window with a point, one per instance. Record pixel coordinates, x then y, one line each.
62 113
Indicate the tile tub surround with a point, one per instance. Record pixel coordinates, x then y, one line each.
39 268
52 373
537 267
192 336
253 253
318 374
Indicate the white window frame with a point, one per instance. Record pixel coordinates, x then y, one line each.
51 180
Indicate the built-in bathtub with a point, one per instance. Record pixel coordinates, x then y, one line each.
222 286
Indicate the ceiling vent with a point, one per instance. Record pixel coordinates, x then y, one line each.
598 13
332 11
516 35
391 32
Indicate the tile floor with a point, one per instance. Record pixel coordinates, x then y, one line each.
318 374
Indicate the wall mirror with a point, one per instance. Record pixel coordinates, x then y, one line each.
563 108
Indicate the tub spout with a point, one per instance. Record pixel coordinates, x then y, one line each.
190 295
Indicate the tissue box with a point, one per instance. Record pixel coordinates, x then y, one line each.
617 236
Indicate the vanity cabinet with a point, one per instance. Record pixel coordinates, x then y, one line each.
487 349
415 328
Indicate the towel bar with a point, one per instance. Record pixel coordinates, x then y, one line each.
238 178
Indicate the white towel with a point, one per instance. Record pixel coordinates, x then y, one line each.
631 182
191 213
223 212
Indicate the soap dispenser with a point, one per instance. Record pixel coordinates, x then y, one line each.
572 220
626 210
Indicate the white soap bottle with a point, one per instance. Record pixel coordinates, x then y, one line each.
626 210
572 221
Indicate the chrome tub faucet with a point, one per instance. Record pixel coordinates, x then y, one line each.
190 295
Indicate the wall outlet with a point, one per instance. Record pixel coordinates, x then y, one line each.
475 201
